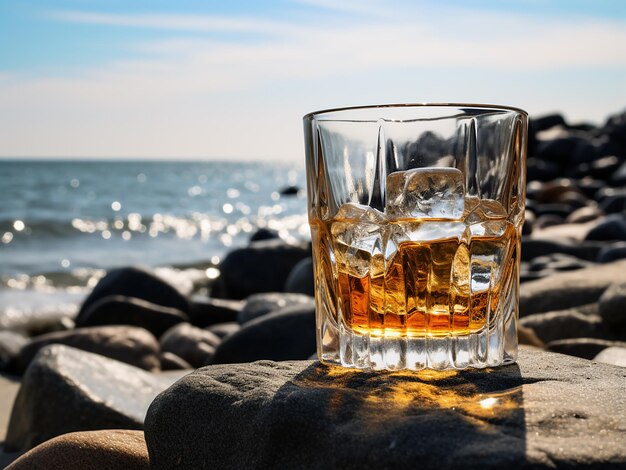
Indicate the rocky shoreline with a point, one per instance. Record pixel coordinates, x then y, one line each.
97 375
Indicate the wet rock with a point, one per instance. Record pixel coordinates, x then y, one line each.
300 279
208 311
284 334
261 304
569 289
194 345
91 450
11 343
571 323
66 390
170 361
225 329
612 304
612 355
612 252
263 266
138 283
120 310
537 414
612 227
132 345
587 348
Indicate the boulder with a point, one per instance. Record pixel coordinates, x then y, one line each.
192 344
587 348
120 310
208 311
138 283
37 321
66 390
612 355
569 289
284 334
300 279
548 411
90 450
571 323
263 266
261 304
129 344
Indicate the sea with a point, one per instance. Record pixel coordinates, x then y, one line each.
63 224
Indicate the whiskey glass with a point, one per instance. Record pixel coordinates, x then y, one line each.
416 213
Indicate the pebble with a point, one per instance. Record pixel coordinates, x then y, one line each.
110 449
121 310
190 343
128 344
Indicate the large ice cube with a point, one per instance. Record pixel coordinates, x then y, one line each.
425 193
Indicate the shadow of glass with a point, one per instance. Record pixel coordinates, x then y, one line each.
351 418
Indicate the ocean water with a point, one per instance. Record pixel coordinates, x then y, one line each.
64 223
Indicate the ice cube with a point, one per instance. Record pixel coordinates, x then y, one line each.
351 211
425 193
358 233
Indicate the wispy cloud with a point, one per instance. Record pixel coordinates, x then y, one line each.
168 99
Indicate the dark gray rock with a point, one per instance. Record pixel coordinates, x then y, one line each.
66 390
541 170
619 176
129 344
612 227
263 266
208 311
261 304
558 262
569 323
542 123
612 355
612 252
264 234
614 204
11 343
587 348
224 329
284 334
612 304
120 310
138 283
569 289
300 278
542 413
170 361
533 248
194 345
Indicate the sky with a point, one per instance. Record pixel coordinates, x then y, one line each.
231 80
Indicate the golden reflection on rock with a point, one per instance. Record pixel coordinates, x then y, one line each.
377 398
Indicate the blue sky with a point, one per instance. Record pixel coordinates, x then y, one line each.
209 79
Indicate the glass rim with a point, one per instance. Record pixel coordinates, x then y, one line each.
321 112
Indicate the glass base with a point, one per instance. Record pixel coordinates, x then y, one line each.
486 348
